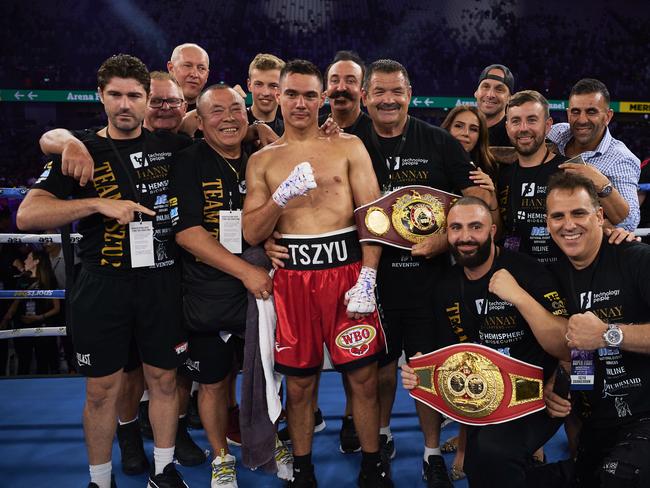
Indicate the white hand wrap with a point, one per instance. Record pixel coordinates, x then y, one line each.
299 182
362 295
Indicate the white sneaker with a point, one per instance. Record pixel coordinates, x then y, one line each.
223 471
284 460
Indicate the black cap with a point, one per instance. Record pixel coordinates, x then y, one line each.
507 78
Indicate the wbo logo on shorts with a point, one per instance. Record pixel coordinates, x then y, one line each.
356 339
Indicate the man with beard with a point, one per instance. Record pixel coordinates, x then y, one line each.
521 186
509 302
611 166
207 195
495 85
407 151
128 285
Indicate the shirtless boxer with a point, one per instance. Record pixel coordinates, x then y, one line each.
306 186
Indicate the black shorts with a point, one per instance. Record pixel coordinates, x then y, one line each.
107 311
410 330
209 358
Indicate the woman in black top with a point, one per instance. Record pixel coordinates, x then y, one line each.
35 313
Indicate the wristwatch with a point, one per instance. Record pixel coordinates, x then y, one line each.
606 190
613 336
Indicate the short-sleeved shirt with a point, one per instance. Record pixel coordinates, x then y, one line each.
466 311
429 156
616 288
522 200
204 183
105 243
277 124
498 135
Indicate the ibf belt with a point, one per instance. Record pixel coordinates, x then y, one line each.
405 216
476 385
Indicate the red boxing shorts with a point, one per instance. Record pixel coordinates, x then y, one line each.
309 296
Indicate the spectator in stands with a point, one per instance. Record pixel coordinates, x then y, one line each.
9 256
35 313
587 135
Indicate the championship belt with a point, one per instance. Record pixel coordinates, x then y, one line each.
404 217
476 385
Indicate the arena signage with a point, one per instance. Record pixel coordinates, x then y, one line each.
418 102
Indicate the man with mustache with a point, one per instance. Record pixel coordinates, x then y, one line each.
611 166
507 301
407 151
344 77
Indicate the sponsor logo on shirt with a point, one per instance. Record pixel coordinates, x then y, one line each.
45 173
161 200
356 339
539 232
136 160
528 189
585 300
481 306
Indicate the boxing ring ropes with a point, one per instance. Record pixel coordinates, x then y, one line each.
6 238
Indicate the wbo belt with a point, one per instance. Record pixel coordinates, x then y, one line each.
405 216
476 385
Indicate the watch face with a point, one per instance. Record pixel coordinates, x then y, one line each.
614 337
607 189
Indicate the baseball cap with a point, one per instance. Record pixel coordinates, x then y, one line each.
507 78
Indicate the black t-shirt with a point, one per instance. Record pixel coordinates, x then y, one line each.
8 273
277 124
360 125
203 183
497 134
523 210
105 243
616 288
427 156
466 312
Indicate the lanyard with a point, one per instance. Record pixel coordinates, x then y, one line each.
227 176
385 167
134 188
511 191
463 294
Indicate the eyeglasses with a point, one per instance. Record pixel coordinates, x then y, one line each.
171 102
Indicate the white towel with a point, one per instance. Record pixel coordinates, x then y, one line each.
267 320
